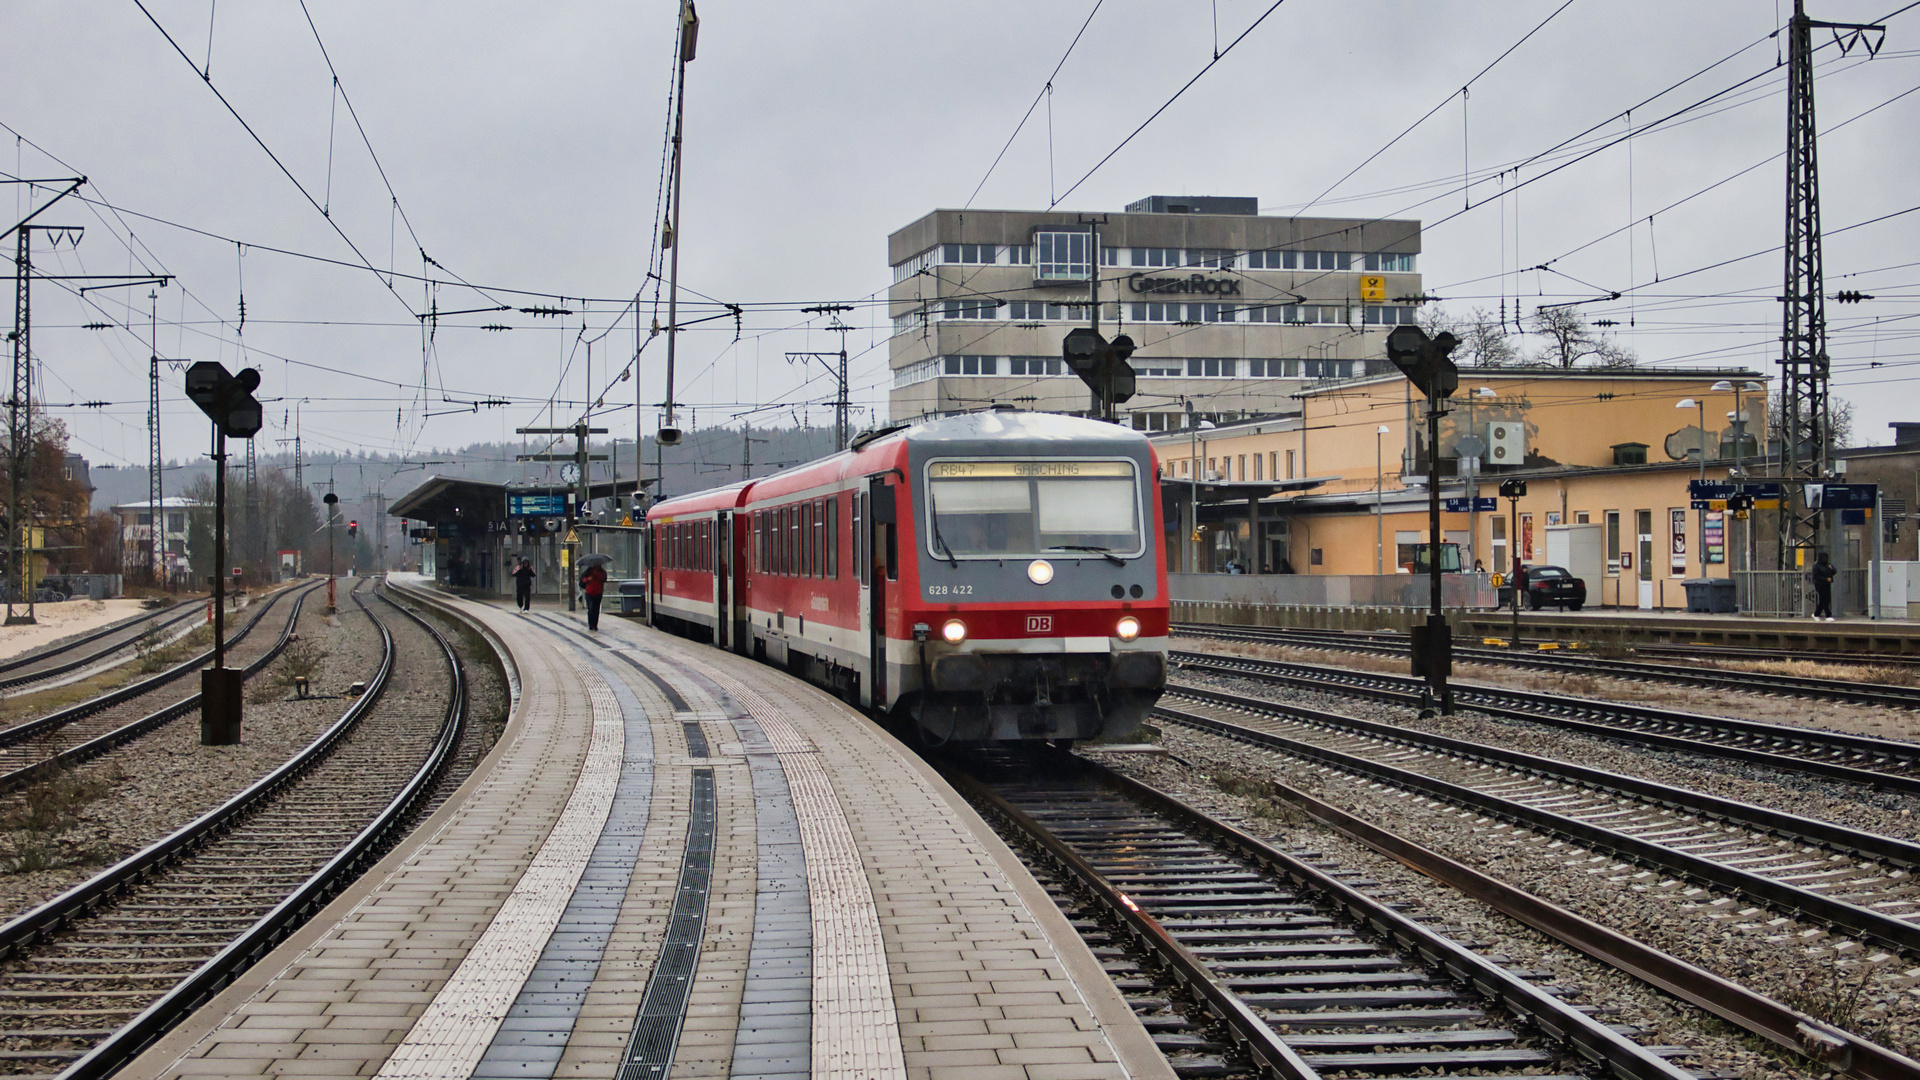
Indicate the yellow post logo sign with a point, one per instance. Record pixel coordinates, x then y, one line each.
1373 289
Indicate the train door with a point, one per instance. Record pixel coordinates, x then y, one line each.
722 580
651 545
879 551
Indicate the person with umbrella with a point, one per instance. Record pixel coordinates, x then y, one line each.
593 582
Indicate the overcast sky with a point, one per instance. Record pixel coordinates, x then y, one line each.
524 144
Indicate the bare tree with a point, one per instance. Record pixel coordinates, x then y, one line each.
1570 340
1483 340
1839 419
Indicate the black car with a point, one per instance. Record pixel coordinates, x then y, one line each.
1553 585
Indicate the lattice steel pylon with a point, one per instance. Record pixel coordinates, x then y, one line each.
20 437
1806 435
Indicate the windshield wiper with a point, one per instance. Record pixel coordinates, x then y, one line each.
1106 553
952 560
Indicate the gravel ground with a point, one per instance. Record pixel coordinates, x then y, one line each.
1858 986
1886 813
1801 712
153 786
488 702
1722 1049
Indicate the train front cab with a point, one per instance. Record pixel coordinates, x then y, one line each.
1031 600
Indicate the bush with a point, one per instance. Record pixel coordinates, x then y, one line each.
34 826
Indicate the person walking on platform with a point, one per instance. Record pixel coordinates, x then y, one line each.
593 582
1823 575
523 585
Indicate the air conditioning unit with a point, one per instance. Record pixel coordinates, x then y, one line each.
1506 443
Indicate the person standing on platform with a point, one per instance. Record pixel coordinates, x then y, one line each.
523 585
593 582
1823 575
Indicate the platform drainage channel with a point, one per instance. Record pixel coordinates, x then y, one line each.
696 738
656 1031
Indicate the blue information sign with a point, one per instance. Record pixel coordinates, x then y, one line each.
1484 504
536 504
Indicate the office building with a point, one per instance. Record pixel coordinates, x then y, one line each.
1232 311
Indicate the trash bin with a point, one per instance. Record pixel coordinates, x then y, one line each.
1710 596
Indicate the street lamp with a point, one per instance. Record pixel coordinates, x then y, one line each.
1193 487
1739 418
1479 446
1379 523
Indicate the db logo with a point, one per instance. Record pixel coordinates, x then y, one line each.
1039 624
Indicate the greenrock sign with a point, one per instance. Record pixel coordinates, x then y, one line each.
1191 285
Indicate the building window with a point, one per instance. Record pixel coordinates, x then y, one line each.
1327 369
1381 262
973 365
1389 315
1500 544
176 522
1613 543
1268 260
1034 365
968 254
914 265
1062 256
1316 260
1038 311
918 372
972 309
1215 312
1159 369
1020 254
1259 473
1289 464
1154 256
1217 367
1273 464
1243 468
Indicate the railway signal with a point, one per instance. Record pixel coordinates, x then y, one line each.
1102 365
1427 364
228 401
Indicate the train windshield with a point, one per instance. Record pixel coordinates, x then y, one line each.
1001 509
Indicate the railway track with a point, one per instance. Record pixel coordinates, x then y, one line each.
34 749
1880 694
89 649
1859 883
1247 959
1888 764
90 978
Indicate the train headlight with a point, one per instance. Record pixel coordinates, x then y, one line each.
1128 629
1039 571
954 632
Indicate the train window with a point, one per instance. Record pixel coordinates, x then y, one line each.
856 520
816 543
806 540
893 552
833 537
1018 508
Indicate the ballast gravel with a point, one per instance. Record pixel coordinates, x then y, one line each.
1863 987
166 779
1189 772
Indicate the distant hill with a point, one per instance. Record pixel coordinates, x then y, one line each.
704 459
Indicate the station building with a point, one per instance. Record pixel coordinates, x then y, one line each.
1233 312
1340 489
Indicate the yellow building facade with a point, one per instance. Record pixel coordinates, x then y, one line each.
1613 449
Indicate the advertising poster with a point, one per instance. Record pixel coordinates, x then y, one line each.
1678 547
1716 536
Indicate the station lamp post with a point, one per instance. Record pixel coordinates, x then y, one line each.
1379 520
1699 405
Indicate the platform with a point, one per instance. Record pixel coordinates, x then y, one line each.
677 862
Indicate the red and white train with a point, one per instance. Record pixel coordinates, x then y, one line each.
993 576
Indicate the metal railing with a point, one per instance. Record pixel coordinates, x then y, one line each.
1789 593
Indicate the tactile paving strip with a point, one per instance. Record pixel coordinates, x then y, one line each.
455 1030
856 1029
534 1036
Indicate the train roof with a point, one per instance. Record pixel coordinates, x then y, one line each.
995 424
966 433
